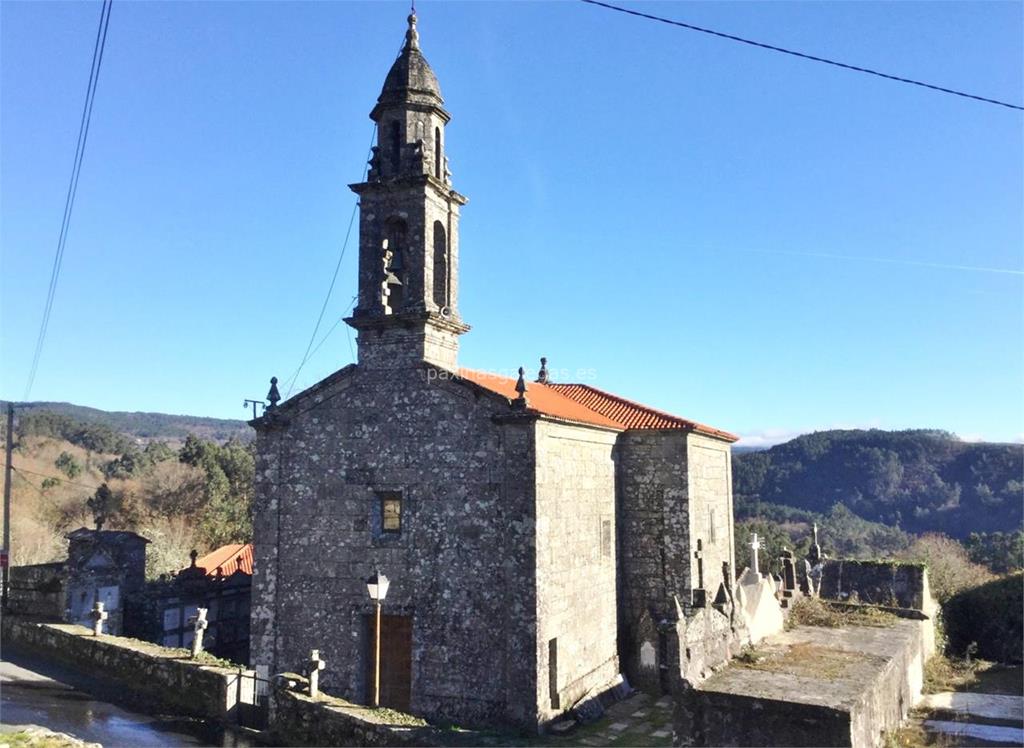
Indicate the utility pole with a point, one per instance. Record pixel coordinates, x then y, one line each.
5 552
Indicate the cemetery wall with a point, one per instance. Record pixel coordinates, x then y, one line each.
166 675
891 583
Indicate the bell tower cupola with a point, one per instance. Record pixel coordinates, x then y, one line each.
407 309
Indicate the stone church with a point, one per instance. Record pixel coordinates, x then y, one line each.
541 537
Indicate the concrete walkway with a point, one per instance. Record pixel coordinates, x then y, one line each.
640 720
984 705
976 718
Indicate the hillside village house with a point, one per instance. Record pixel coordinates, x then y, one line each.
540 537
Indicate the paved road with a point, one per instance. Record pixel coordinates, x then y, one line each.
34 692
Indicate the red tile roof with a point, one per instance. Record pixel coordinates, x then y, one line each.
585 404
540 398
228 559
631 415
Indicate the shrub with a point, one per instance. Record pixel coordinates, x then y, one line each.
950 570
989 615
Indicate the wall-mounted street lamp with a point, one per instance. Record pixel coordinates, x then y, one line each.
377 586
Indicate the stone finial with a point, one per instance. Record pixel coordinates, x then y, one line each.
520 402
98 616
315 665
542 375
412 36
273 396
193 555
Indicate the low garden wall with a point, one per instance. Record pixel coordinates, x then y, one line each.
296 719
167 676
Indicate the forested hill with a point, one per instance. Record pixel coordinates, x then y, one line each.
145 426
920 481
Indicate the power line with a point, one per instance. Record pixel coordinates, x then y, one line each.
62 479
33 486
802 55
69 202
334 278
327 335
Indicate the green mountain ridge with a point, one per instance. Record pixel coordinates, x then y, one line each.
145 426
917 480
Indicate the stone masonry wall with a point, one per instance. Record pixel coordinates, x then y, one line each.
461 567
653 533
163 675
711 511
37 591
576 593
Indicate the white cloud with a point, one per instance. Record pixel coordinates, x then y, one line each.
764 438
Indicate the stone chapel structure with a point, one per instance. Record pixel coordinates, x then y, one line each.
540 537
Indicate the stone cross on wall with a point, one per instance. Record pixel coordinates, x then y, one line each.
315 666
814 555
788 570
199 625
98 616
755 546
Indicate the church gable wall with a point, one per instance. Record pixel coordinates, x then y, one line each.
711 515
576 586
460 566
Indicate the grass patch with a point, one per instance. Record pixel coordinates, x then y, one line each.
392 717
813 611
913 735
37 737
803 659
943 673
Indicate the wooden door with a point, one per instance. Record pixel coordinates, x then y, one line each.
395 661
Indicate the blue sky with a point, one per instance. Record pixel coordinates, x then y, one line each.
758 242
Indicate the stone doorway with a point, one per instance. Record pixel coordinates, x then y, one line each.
395 661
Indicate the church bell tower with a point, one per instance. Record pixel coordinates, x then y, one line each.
407 309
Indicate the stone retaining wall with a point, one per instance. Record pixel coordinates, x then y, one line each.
37 591
164 675
298 720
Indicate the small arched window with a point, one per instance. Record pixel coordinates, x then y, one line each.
396 146
440 265
437 152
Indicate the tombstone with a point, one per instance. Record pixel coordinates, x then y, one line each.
98 616
788 572
315 666
199 625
